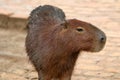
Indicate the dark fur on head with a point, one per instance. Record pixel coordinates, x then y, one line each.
53 43
46 15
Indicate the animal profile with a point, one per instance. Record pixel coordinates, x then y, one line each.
53 42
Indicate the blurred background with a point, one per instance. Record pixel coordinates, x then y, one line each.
105 14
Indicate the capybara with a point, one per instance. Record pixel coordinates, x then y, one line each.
54 43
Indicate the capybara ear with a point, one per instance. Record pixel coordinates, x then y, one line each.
64 24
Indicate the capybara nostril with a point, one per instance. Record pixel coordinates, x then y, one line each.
103 39
101 36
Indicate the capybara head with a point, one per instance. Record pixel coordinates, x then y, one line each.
53 43
83 36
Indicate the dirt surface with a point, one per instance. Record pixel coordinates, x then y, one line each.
105 65
14 64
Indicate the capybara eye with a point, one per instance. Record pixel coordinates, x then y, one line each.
80 29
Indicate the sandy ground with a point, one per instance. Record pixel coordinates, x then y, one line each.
13 60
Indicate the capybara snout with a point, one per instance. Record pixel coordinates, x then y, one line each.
54 43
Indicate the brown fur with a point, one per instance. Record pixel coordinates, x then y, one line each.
53 43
